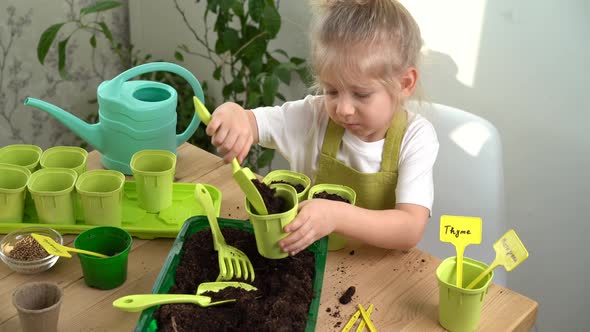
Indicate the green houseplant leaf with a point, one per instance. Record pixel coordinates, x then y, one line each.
100 6
271 21
46 39
265 158
106 31
61 58
270 88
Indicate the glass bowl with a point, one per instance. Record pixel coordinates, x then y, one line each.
23 266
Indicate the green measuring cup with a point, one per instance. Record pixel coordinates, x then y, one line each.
335 241
292 178
269 229
72 157
13 191
459 309
26 155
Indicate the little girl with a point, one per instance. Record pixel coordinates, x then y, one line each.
355 132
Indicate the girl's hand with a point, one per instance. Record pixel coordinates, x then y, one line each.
315 219
231 131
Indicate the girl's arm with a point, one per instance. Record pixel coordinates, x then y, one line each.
399 228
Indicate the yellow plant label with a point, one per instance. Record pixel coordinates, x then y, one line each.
510 250
460 230
52 247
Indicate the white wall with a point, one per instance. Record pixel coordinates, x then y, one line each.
529 80
21 75
523 65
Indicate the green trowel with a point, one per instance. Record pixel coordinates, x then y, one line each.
139 302
243 176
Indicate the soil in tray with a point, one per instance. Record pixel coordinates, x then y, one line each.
285 289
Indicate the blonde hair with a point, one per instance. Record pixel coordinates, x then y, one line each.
378 38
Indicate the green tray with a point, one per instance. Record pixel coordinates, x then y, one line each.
135 220
167 274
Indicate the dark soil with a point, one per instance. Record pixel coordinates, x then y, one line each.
347 296
274 204
298 187
332 197
285 290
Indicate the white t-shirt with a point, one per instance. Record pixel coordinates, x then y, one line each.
296 130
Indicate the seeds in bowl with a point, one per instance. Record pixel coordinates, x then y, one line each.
27 249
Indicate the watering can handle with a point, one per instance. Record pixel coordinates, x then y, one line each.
114 87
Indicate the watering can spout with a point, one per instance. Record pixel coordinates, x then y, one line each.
88 132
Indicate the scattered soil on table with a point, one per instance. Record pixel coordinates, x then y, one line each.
333 197
285 289
27 249
298 187
347 296
274 204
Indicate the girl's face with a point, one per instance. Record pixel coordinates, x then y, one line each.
364 108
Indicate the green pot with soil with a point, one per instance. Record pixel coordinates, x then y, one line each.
333 192
299 181
268 229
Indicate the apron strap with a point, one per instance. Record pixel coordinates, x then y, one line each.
332 139
391 146
393 141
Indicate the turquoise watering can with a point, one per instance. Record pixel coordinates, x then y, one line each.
133 115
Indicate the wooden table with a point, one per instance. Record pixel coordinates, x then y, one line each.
402 286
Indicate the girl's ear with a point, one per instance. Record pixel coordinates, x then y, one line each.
408 80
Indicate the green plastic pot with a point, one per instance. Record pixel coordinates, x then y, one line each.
101 193
25 155
335 241
268 229
13 184
154 171
52 191
72 157
104 273
290 177
459 309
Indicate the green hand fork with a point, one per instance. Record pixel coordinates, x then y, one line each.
243 176
232 261
139 302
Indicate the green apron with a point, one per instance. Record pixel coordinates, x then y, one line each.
374 191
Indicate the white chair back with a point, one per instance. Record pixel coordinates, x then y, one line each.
468 180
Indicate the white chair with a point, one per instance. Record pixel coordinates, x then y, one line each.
468 180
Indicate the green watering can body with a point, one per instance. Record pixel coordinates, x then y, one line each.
133 115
